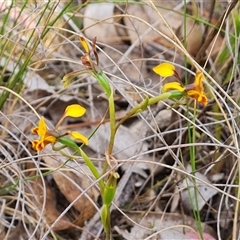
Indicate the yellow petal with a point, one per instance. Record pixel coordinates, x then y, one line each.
199 96
84 44
199 79
173 86
41 129
36 145
49 139
164 69
74 110
79 136
203 99
35 130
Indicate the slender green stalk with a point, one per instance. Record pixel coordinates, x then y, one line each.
106 221
191 138
112 122
148 102
194 202
106 214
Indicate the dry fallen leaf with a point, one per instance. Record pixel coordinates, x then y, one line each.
72 186
50 211
71 192
99 21
126 142
162 225
145 18
204 192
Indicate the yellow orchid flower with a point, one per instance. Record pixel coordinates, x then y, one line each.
194 90
47 136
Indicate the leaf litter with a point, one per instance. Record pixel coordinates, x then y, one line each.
66 198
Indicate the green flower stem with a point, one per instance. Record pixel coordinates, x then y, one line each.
148 102
139 108
112 122
106 221
108 196
104 83
110 188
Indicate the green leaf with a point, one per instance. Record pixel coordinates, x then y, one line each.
110 189
105 214
175 94
104 82
237 23
68 142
